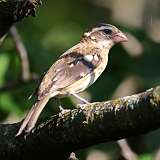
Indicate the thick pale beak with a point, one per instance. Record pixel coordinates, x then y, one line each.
120 37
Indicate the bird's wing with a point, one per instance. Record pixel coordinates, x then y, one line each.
68 69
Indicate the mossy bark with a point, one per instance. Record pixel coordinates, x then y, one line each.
82 127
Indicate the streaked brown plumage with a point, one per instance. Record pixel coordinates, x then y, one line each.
75 70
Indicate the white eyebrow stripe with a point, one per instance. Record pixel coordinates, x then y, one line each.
97 29
88 58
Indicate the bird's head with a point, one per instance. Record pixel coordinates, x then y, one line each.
105 35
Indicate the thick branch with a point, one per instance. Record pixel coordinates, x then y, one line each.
14 10
63 133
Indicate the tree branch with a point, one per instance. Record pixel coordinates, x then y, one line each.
12 11
67 132
23 55
126 151
26 75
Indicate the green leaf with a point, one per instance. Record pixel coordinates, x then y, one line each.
4 63
146 157
7 104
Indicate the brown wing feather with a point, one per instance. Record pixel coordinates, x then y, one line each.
66 71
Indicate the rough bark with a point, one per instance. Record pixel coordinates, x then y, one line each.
82 127
12 11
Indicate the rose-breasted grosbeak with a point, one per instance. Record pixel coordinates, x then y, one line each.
75 70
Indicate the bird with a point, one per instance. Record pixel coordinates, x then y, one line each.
75 70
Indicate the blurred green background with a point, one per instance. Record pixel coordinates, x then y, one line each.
132 68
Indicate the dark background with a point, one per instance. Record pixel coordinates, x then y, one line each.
132 68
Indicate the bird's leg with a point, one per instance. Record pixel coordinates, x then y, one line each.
80 98
85 102
60 105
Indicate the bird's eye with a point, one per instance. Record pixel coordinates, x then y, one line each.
107 31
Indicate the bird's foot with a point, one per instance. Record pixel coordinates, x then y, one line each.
63 111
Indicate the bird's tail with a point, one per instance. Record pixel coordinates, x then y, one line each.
32 117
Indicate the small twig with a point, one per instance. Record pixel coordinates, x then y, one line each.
11 85
15 84
126 151
22 53
26 75
2 39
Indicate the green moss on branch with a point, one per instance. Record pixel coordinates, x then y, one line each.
79 128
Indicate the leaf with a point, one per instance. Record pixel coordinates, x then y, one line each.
7 104
146 157
4 63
